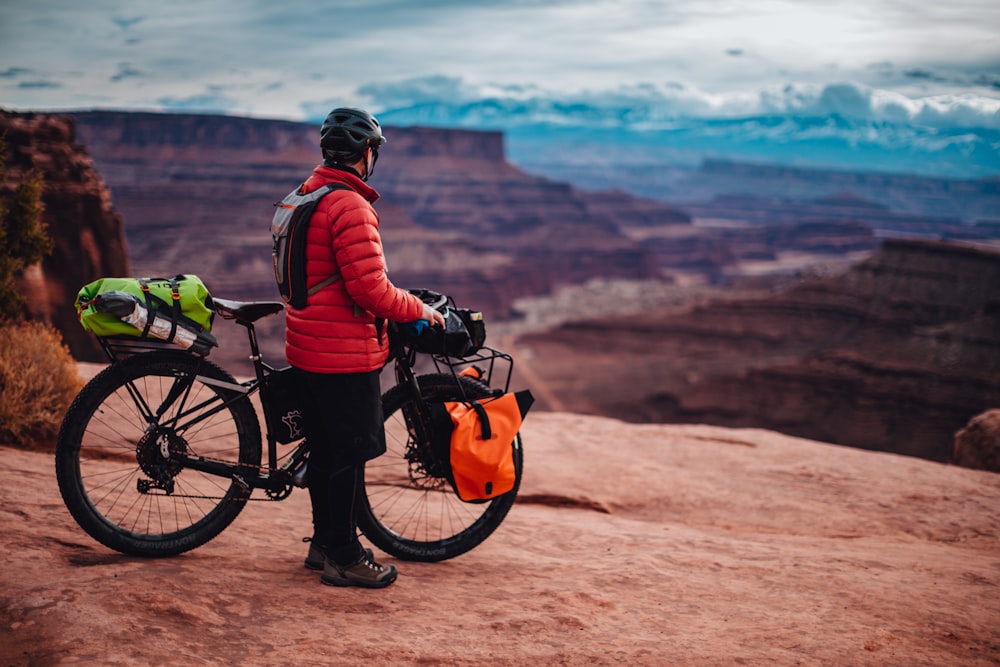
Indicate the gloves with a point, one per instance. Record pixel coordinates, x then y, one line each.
432 316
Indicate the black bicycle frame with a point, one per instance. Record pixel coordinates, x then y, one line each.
272 477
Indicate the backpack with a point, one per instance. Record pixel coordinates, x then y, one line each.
288 237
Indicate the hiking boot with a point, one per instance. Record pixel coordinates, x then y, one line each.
317 556
365 573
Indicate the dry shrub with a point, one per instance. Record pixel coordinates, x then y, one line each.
38 380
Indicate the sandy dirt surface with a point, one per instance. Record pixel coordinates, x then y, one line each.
630 545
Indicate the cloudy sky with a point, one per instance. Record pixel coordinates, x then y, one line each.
917 81
293 59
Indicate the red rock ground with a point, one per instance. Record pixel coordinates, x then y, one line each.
631 545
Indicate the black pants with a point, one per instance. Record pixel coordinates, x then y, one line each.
343 425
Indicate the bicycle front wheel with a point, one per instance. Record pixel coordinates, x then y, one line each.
407 508
116 455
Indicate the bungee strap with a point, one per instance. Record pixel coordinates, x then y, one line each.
150 309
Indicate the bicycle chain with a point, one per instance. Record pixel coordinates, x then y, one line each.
251 499
285 492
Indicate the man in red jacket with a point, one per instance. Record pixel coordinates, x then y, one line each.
338 345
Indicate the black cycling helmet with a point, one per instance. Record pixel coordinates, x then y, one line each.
347 133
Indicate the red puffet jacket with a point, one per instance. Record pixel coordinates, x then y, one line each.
336 331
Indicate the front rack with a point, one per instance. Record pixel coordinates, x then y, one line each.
494 362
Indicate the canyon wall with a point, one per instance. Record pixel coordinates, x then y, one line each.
200 190
897 353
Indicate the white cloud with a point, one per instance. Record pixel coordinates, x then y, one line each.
443 100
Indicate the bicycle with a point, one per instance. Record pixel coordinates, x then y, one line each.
161 450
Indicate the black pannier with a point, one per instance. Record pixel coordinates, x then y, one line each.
463 335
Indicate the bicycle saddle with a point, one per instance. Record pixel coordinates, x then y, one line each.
246 311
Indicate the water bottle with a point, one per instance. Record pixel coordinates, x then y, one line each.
131 311
160 327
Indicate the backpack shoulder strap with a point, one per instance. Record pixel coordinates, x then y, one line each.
335 276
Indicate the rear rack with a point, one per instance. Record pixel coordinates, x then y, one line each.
121 347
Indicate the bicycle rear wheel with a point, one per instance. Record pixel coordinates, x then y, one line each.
409 511
113 453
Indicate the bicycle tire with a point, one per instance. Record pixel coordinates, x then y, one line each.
106 454
413 515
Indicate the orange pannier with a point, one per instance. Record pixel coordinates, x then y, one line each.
482 444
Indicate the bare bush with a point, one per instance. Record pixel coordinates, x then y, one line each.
38 380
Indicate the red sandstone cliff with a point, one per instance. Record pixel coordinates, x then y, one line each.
87 231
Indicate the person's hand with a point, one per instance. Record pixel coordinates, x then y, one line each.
435 318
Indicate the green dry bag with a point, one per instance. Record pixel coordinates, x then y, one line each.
178 310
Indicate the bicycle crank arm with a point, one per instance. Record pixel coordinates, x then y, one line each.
248 477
